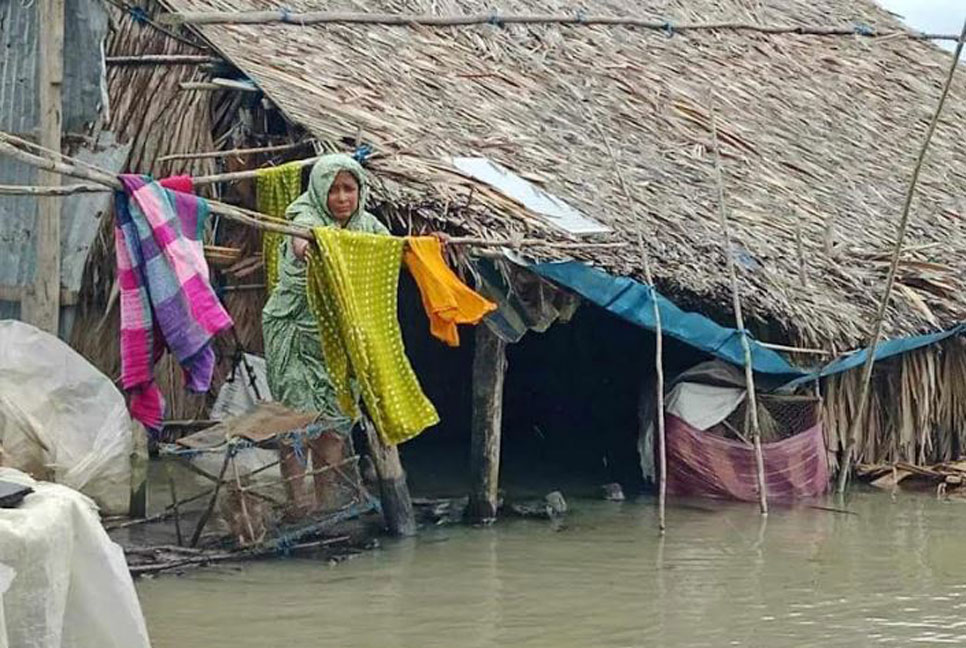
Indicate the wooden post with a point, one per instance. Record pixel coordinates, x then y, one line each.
846 464
489 369
397 505
740 320
42 303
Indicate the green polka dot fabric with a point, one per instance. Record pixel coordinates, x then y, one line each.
352 291
275 189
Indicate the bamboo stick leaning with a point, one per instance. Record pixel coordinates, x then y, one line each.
658 332
739 317
845 466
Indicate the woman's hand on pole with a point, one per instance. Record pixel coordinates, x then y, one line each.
299 246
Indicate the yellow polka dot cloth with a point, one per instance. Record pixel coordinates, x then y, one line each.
275 189
352 290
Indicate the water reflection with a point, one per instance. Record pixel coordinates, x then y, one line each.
722 575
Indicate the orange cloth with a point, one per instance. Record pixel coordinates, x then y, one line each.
447 300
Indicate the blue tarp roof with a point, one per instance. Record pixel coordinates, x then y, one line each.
632 302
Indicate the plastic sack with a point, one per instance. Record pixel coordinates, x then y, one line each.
61 419
237 396
70 583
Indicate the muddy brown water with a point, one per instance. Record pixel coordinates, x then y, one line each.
893 574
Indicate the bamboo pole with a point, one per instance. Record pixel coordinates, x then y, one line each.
659 369
845 466
740 320
162 59
576 19
218 84
235 152
229 453
51 190
107 182
658 332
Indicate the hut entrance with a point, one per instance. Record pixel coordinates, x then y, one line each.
570 404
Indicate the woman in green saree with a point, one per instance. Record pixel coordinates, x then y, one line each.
297 375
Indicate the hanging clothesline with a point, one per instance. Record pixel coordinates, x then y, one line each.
103 180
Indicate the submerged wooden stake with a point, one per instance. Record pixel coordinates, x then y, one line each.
397 505
740 320
845 466
489 370
659 371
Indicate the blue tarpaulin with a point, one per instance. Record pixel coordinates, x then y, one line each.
886 349
633 302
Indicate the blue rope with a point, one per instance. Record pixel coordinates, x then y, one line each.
863 29
668 28
362 153
299 450
495 19
286 15
139 14
581 16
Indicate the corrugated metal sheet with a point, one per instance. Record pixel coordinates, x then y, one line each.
85 29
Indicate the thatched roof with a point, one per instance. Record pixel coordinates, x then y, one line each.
819 136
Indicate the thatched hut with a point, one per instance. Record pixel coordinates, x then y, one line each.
819 134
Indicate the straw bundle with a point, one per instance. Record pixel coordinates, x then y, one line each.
917 409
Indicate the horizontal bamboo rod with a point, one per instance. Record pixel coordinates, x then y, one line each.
52 190
218 84
163 59
793 349
574 19
232 152
257 220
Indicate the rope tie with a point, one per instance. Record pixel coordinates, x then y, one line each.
668 29
863 29
495 19
362 153
138 14
286 15
581 17
299 449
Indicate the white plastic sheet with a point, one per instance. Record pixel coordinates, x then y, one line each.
61 419
702 397
238 396
70 585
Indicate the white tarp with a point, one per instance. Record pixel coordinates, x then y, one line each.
702 397
237 396
70 586
553 209
61 419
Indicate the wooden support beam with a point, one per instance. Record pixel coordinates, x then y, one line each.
397 505
41 303
489 370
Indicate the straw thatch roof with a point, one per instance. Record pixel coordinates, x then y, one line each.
819 136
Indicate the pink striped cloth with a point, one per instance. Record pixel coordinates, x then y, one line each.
166 297
703 464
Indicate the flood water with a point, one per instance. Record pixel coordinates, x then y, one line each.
893 574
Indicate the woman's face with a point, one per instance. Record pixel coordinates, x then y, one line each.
343 196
